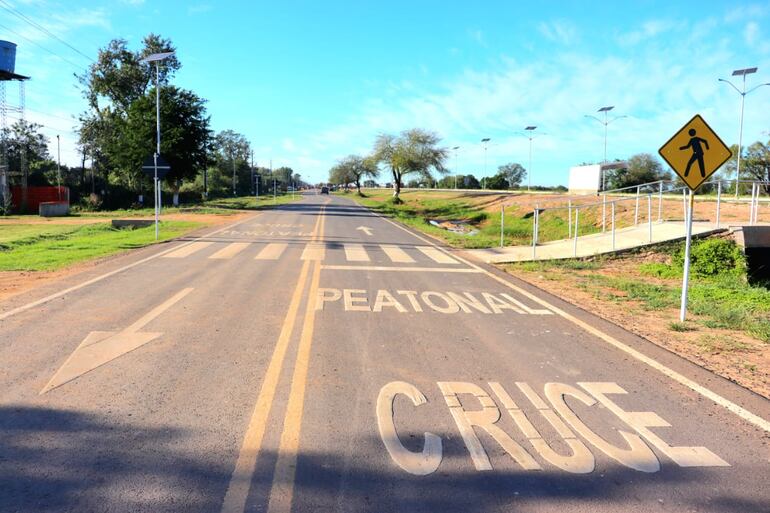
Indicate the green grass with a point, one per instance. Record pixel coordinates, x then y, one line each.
725 301
419 207
217 206
44 248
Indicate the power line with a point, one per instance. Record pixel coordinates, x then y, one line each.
49 127
44 48
8 7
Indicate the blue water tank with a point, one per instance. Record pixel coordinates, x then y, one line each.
7 56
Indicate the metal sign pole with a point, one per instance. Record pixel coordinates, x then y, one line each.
155 181
686 274
502 223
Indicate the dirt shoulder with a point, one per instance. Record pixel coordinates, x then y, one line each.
727 352
17 282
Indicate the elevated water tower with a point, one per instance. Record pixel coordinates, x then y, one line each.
8 74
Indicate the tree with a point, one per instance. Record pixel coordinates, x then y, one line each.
231 155
413 151
513 173
642 168
757 163
340 175
353 169
497 182
118 129
24 138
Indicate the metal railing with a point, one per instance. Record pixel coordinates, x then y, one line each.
654 189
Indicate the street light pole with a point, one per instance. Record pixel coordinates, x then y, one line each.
743 92
156 58
455 149
606 122
530 131
485 141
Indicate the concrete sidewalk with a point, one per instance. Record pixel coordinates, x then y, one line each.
595 244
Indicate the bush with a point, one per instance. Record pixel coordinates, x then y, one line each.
713 257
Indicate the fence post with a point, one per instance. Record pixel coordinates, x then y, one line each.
502 223
604 213
660 202
577 220
613 226
534 234
636 210
649 215
719 200
751 205
569 219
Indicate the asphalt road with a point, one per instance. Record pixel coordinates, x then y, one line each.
318 357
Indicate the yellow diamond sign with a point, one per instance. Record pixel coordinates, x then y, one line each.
695 152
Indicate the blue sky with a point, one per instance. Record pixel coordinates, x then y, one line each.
310 82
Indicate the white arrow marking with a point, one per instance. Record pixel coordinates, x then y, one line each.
101 347
365 229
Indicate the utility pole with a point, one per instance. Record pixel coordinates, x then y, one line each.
58 165
485 141
272 173
252 172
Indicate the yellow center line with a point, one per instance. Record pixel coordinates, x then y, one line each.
282 491
240 482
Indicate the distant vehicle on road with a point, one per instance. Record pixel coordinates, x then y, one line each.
324 190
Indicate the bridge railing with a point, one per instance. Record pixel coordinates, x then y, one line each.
652 192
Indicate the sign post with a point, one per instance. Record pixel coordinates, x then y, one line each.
695 153
157 167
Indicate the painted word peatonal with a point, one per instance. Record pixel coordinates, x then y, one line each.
403 301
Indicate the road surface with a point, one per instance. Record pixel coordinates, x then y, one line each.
318 357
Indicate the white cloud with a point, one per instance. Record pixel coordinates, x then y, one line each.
560 31
648 30
658 90
478 36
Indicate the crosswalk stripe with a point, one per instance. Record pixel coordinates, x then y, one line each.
314 251
436 255
397 254
356 253
272 251
230 250
188 250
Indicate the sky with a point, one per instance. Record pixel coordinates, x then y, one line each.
309 82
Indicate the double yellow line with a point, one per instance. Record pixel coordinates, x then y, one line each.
282 489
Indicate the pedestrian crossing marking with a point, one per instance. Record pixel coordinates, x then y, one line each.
436 255
314 251
186 251
356 253
272 251
230 250
397 254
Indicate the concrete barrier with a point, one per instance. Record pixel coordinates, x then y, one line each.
54 208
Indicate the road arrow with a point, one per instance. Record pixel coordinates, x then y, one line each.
101 347
365 229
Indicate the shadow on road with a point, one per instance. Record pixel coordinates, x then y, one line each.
57 460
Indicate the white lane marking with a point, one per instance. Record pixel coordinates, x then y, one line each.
314 251
398 269
188 250
272 251
679 378
101 277
101 347
396 254
356 253
436 255
230 250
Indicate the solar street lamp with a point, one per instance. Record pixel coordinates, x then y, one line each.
605 122
743 92
485 141
156 58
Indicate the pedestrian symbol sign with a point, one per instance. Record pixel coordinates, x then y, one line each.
695 152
